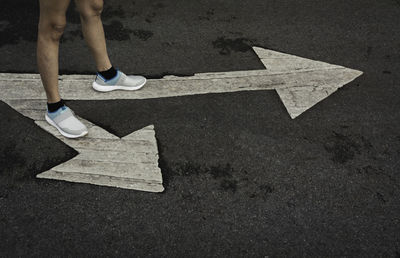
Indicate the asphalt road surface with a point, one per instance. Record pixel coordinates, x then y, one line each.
242 178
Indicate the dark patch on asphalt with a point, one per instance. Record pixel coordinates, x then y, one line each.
3 25
155 6
3 195
264 191
116 31
231 18
375 173
343 147
14 17
143 34
220 172
380 197
149 17
226 46
226 173
229 185
370 170
111 12
208 16
222 177
9 158
369 50
158 5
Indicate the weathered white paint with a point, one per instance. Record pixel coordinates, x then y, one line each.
314 80
300 82
132 162
104 159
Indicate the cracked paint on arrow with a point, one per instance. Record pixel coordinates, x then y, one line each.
133 161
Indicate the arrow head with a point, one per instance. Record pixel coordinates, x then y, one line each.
307 81
104 159
129 162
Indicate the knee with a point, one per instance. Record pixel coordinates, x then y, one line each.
93 8
53 29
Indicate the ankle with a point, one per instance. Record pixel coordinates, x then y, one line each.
109 73
52 107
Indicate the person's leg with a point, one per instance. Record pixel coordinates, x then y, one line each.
52 22
93 32
108 78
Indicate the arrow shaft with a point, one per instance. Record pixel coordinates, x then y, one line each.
78 87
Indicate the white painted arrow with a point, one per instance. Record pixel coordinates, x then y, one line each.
301 83
104 159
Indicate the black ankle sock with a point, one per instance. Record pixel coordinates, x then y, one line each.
109 74
54 106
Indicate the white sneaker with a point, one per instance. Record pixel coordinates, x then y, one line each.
65 121
119 82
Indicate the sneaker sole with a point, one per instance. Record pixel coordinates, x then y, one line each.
68 135
103 88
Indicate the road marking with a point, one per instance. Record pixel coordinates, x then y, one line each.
132 162
301 83
129 162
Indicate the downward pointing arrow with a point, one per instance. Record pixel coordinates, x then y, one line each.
104 159
131 162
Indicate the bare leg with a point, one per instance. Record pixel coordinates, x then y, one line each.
93 32
52 22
